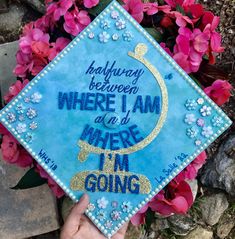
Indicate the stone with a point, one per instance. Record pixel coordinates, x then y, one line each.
24 213
181 224
219 172
66 207
11 22
199 232
3 6
159 224
194 187
37 5
225 225
133 232
7 63
212 208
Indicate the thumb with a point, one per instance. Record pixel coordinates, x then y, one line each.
73 221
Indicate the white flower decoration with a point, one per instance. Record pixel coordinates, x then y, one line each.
101 215
217 121
91 35
200 101
198 142
102 202
191 132
189 118
11 117
207 131
126 206
120 24
190 104
21 128
36 97
114 14
33 125
31 113
105 24
115 36
108 224
104 37
116 215
205 110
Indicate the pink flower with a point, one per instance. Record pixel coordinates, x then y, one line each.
15 90
3 130
177 199
90 3
135 8
182 3
167 50
181 20
57 47
153 8
24 64
219 91
139 217
38 63
9 148
190 48
199 160
166 22
56 189
191 171
208 25
76 21
32 36
41 49
59 9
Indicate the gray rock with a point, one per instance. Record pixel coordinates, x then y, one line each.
219 172
7 63
160 223
24 213
37 5
11 22
194 187
133 232
199 232
212 208
225 225
67 206
181 224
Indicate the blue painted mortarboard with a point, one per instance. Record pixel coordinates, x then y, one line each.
113 116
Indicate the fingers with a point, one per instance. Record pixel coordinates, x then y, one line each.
73 221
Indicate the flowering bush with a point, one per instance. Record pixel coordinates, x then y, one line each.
184 29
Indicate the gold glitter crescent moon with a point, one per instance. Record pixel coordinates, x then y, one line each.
139 53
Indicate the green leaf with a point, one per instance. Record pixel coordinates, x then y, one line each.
95 11
180 9
154 33
30 180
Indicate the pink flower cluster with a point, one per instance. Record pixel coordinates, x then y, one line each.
12 151
219 91
137 8
176 197
193 43
36 47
